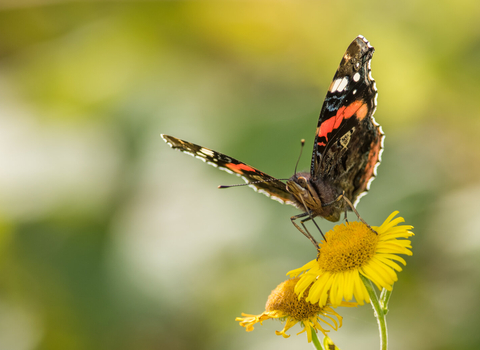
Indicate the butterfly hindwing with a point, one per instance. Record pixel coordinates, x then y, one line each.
269 186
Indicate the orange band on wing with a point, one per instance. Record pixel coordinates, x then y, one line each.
237 168
357 107
362 112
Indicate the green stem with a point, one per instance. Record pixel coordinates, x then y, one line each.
379 311
384 299
315 341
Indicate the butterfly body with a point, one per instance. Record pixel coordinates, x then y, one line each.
346 151
311 195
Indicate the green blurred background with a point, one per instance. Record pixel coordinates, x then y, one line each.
111 240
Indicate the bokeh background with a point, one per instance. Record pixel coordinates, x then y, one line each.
111 240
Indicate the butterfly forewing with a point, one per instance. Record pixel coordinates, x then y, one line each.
256 179
348 142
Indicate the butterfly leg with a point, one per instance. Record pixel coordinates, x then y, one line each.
342 196
356 212
305 233
311 218
334 201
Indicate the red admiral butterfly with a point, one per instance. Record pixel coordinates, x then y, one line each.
346 152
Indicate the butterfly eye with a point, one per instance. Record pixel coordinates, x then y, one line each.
302 182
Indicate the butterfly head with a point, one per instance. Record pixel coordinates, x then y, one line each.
302 188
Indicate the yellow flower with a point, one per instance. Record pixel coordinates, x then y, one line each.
284 304
352 249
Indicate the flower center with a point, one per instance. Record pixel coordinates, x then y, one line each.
348 246
283 298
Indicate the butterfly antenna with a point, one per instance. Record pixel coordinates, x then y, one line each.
250 183
300 156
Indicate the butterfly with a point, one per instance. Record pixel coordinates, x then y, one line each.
346 151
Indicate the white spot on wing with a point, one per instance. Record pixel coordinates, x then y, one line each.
207 152
343 84
335 85
356 77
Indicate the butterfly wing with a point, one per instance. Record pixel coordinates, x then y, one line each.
270 186
348 141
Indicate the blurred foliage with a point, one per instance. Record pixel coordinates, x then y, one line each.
110 240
